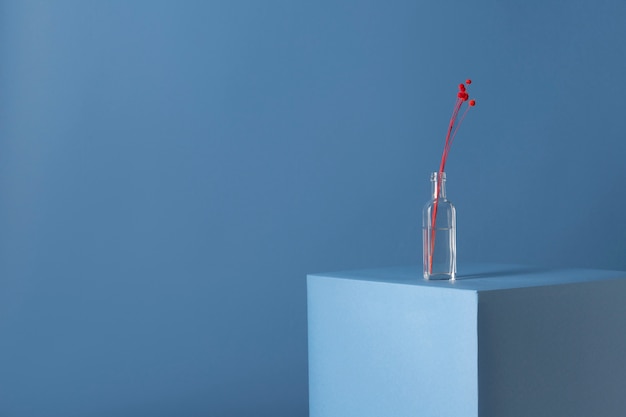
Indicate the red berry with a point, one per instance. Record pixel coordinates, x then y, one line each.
461 87
468 81
472 102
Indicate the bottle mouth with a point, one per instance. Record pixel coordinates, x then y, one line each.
434 176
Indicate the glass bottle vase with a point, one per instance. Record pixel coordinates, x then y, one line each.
439 232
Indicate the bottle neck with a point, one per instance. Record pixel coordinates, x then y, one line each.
438 182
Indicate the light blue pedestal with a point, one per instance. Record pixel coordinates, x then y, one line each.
500 341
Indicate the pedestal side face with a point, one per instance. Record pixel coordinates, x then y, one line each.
553 351
381 349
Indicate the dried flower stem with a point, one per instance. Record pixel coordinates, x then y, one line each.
453 128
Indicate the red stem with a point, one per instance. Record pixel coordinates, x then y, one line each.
444 157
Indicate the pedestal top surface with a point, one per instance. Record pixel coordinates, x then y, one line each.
481 276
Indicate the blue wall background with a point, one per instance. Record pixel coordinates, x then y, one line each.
170 171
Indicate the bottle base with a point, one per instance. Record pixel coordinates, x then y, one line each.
439 277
